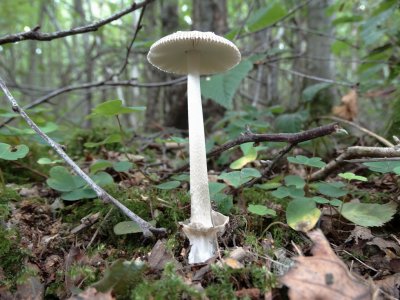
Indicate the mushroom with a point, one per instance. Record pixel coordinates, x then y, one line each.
197 53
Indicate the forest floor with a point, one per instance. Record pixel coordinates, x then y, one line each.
57 249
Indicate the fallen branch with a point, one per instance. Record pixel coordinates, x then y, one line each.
148 229
291 138
353 153
363 129
35 33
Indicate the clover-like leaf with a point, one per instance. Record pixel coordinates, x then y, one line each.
113 138
315 162
382 166
368 214
113 108
61 180
302 214
331 189
100 165
79 194
169 185
249 155
290 191
127 227
294 180
121 276
122 166
8 152
351 176
260 210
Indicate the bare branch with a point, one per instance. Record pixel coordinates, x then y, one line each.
291 138
35 33
67 89
363 129
352 153
148 229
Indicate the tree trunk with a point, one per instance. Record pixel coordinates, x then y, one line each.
210 15
319 47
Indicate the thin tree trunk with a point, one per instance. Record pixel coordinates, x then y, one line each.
319 47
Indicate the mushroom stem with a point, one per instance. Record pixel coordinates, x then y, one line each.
200 198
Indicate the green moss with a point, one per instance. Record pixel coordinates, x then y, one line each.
169 286
12 256
227 280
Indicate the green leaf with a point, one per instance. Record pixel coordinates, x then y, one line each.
368 214
113 138
122 166
295 180
103 179
320 200
336 202
221 88
79 194
290 191
311 91
331 189
48 161
290 122
169 185
179 140
224 202
351 176
315 162
260 210
302 214
113 108
46 128
382 166
100 165
121 276
265 16
250 172
237 178
216 187
250 155
347 19
127 227
61 180
181 177
268 185
8 152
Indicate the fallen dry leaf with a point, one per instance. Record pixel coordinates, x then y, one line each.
348 109
92 294
252 293
159 256
31 289
390 285
323 275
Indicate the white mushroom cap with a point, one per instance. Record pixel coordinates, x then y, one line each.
215 54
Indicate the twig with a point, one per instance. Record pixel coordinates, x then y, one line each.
291 138
35 33
351 153
363 129
297 73
130 83
128 51
362 160
148 229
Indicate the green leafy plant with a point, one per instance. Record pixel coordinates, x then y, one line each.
8 152
73 187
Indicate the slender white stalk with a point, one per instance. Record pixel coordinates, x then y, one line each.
200 198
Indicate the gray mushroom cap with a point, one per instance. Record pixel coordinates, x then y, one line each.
215 54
